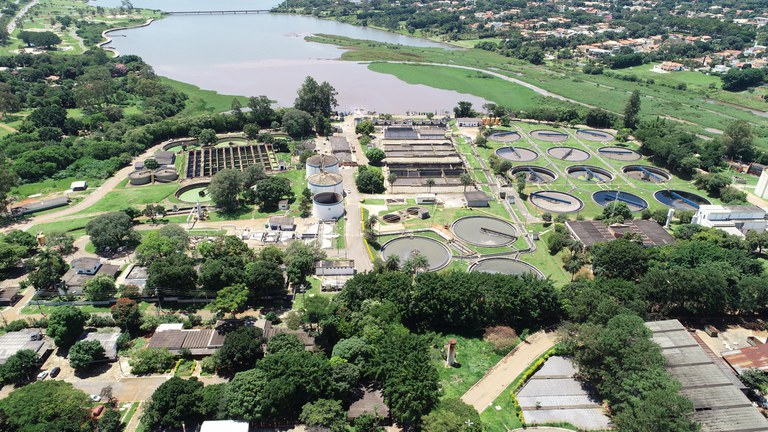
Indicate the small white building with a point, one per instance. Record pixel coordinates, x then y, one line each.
469 121
736 220
224 426
426 199
761 189
79 186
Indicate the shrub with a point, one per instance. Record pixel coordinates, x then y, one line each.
503 338
151 360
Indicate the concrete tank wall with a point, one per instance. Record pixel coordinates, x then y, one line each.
328 206
325 182
139 178
319 163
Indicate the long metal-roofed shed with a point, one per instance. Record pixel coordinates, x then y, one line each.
591 232
37 206
718 401
27 339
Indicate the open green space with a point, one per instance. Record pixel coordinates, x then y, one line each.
203 101
474 357
137 196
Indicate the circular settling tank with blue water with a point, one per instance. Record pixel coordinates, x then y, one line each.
680 200
634 202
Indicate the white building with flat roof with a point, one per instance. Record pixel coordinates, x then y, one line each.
735 220
224 426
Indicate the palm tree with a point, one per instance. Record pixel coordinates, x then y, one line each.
466 180
371 222
417 262
392 178
430 182
392 263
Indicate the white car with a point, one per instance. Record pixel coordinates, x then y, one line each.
42 375
95 398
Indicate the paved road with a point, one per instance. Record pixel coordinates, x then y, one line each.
12 24
484 392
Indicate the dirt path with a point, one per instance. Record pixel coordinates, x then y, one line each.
484 392
6 127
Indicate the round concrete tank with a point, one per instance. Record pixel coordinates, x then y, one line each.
328 206
325 182
138 178
319 163
166 175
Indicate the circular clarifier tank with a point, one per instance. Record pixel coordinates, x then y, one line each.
438 255
555 201
590 173
634 202
194 193
484 231
534 174
647 173
568 154
549 135
619 153
516 154
680 200
594 135
507 136
506 266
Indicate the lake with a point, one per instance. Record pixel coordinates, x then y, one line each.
266 54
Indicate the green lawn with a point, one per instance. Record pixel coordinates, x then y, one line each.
137 197
48 186
184 368
474 357
464 81
313 290
76 227
203 101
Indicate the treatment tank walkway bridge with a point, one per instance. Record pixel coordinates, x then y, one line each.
219 12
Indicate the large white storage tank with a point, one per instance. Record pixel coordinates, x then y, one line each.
325 182
328 206
319 163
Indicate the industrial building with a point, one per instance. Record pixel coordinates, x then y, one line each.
716 392
37 206
591 232
27 339
322 163
736 220
335 268
208 161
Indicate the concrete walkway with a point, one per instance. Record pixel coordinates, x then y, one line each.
484 392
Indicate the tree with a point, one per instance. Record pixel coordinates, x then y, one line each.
230 299
252 175
297 123
463 109
452 415
598 118
225 188
48 267
466 180
284 342
365 128
617 211
99 287
61 242
300 261
9 102
51 405
324 414
264 278
620 258
153 212
369 180
110 421
271 190
20 368
151 360
261 110
175 403
316 99
305 203
520 184
172 275
738 140
49 116
126 314
375 155
8 179
240 350
316 309
429 183
85 352
392 178
65 325
207 137
44 39
155 245
111 231
416 263
632 111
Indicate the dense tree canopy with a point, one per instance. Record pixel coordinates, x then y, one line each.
51 405
65 325
225 188
111 231
175 402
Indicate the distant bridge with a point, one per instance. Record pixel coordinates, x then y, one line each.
220 12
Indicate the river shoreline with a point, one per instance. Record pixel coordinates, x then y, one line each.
107 39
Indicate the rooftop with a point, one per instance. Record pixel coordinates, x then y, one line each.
325 179
322 160
108 341
13 342
747 358
224 426
718 403
591 232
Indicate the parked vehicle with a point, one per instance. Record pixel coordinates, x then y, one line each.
55 372
42 375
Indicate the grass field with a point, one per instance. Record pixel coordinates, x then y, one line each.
474 356
136 197
203 101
